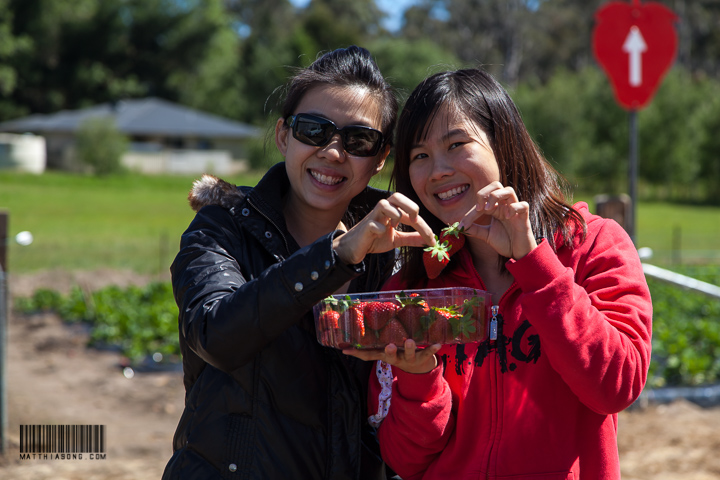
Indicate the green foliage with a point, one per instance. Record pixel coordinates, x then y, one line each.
213 83
577 123
138 321
686 332
262 152
405 63
100 145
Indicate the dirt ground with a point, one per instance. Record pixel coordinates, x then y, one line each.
52 378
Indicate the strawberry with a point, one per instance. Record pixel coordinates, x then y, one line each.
437 327
329 319
357 323
393 332
437 257
343 319
368 340
413 309
440 323
378 314
328 324
455 237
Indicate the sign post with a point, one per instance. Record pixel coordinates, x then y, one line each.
635 43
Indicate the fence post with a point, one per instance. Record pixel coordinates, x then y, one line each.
4 310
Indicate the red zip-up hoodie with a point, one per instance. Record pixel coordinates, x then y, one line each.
540 401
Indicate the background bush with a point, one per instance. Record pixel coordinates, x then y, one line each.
100 145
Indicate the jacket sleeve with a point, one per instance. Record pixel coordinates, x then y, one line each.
594 323
225 315
407 444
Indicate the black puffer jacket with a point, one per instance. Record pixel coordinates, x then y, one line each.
264 400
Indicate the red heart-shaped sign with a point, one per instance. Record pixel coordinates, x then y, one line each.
636 45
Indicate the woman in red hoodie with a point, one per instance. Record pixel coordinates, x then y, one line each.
569 343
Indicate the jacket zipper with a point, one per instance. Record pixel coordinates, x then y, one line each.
287 247
495 321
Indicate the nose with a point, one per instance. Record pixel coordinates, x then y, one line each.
439 167
334 150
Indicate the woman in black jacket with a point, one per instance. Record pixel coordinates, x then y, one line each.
264 400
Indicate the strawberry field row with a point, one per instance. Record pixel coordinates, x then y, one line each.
142 321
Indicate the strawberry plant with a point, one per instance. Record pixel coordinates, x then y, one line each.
139 321
686 332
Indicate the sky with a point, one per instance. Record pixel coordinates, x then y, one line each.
393 8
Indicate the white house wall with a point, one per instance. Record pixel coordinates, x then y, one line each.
24 153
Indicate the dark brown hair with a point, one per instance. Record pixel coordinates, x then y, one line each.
345 67
476 95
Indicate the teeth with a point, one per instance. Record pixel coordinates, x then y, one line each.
452 192
326 179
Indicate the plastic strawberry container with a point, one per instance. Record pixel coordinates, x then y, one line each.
373 320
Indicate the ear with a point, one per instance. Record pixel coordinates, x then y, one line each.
281 136
382 156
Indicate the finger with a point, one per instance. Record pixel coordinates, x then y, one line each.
390 353
517 208
478 231
409 239
470 218
411 217
498 197
385 210
410 350
376 227
421 226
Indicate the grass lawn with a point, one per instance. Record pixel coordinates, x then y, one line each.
135 222
81 223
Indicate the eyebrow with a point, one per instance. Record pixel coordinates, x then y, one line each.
444 138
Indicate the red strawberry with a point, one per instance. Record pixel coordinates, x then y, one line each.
437 257
337 337
329 319
440 321
437 329
357 324
340 319
410 315
393 332
378 314
368 340
455 237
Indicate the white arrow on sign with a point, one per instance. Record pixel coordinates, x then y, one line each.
634 46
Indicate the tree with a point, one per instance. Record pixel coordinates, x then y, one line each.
212 82
100 145
405 63
12 48
91 51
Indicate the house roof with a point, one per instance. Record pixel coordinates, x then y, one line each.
147 116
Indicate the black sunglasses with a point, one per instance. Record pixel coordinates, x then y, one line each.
317 131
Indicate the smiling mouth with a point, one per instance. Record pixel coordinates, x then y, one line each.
325 179
453 192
